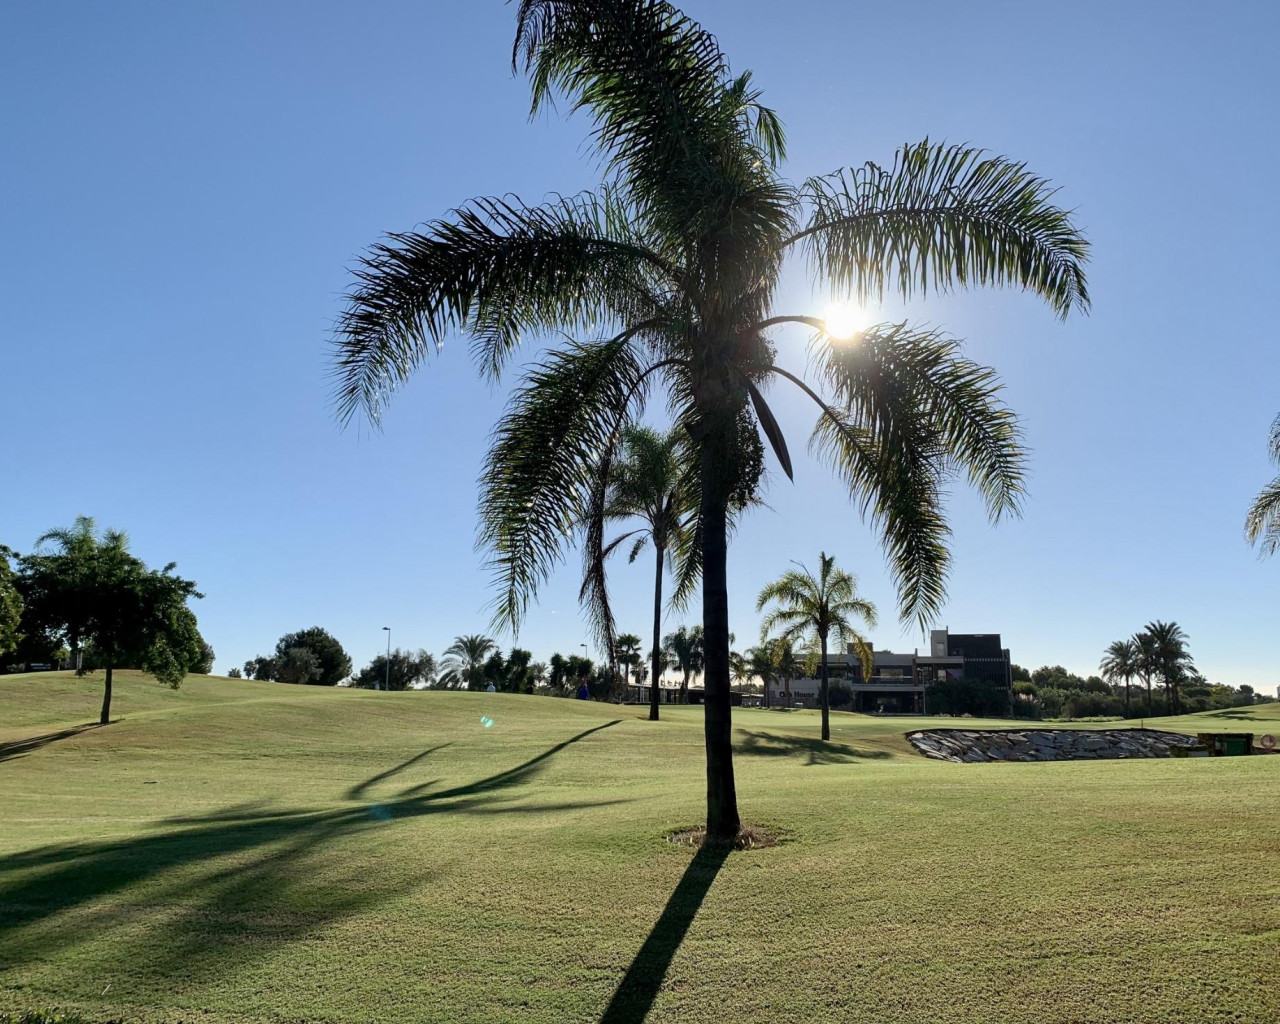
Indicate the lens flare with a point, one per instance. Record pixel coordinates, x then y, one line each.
844 320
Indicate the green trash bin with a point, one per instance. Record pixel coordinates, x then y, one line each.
1227 744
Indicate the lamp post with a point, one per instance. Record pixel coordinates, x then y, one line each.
387 685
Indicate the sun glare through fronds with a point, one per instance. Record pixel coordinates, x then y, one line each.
844 320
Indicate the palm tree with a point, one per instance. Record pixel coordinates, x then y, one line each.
668 274
653 484
1263 523
1171 657
758 663
815 608
1148 661
786 662
1120 663
628 645
464 659
685 650
78 543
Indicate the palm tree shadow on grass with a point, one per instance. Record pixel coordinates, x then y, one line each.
259 890
635 994
767 744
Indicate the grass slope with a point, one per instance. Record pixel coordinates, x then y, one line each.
240 851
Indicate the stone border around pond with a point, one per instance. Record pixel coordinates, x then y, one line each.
973 746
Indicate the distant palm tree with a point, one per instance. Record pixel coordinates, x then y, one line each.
1172 659
668 274
1263 522
1120 663
628 647
463 660
815 608
786 662
757 663
1148 661
684 649
655 484
81 541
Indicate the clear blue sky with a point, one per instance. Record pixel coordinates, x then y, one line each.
183 187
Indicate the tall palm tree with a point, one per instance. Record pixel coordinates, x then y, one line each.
668 274
1148 661
628 646
814 609
1120 663
78 543
1263 522
650 483
1172 658
685 651
757 663
464 659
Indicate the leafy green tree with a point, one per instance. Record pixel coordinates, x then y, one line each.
409 670
207 657
676 261
686 652
1262 525
464 660
297 665
1120 663
261 667
114 610
812 609
10 606
333 664
233 673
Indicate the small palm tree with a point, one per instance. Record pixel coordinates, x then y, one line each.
1120 663
668 274
787 663
464 659
757 663
1148 661
816 608
652 483
1263 524
685 651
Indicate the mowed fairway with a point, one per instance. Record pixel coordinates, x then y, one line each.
242 851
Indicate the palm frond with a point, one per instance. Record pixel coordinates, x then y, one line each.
545 461
496 270
892 368
1262 527
944 216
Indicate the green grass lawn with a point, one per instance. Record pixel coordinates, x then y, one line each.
242 851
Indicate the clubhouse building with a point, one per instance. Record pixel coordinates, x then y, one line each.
898 682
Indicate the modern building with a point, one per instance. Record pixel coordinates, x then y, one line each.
898 682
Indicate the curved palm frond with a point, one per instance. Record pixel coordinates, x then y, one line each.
1262 525
543 466
496 270
944 216
892 367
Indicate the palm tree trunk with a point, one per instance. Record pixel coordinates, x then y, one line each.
1147 680
657 636
826 704
723 822
105 717
1126 696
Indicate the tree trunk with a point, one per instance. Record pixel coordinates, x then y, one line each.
1148 682
723 822
1126 696
657 637
105 717
826 702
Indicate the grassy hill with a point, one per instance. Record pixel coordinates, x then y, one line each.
239 851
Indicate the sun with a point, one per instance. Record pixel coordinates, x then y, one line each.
844 320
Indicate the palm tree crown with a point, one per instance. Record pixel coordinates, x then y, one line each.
810 610
1262 527
464 659
1121 662
667 274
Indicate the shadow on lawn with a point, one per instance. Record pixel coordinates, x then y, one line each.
767 744
639 987
16 748
258 888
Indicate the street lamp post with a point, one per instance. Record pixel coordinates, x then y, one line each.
387 685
